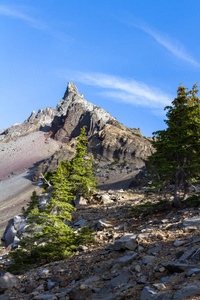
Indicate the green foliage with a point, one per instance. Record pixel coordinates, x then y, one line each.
193 201
48 176
47 237
52 244
33 203
115 162
177 156
80 169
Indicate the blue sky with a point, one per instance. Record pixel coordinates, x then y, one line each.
128 57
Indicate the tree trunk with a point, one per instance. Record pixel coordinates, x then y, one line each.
176 201
186 190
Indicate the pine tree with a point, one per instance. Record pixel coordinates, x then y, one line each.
34 202
177 156
80 169
47 237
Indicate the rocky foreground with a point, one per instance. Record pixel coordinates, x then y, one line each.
154 257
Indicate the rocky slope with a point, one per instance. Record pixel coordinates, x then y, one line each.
154 257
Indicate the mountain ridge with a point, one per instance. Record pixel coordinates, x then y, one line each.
108 139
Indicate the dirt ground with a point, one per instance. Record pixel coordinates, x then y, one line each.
24 152
15 193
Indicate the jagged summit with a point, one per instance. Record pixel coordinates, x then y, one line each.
73 110
71 88
108 139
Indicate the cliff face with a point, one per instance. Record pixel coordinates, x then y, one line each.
73 112
108 139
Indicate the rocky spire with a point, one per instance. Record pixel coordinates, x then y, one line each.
71 88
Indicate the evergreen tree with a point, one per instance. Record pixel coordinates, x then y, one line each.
80 169
47 236
177 156
33 203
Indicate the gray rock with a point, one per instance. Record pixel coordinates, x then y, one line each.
43 201
45 297
137 268
105 297
149 293
15 226
187 254
115 283
192 223
9 234
143 236
196 255
4 297
102 224
126 260
44 272
142 280
159 286
131 245
50 285
166 278
81 223
148 259
178 243
127 241
79 200
177 267
129 285
106 199
189 290
155 249
31 286
192 271
8 281
91 279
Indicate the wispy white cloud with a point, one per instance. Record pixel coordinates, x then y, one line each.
17 14
172 45
120 89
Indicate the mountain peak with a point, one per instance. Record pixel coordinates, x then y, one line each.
71 88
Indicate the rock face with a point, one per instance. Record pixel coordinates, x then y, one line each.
121 143
73 112
108 139
42 121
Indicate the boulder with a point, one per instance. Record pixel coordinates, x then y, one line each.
187 254
177 267
127 241
126 259
81 223
149 293
116 282
191 223
102 224
8 281
15 226
189 290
